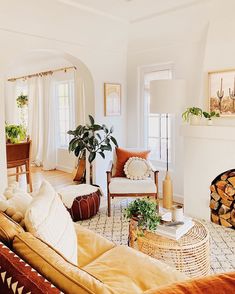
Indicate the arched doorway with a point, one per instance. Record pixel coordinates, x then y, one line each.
20 64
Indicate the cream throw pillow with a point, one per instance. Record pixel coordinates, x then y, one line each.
47 219
137 168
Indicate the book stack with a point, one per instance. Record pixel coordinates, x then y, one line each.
167 228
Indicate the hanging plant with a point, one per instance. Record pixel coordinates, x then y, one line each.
22 100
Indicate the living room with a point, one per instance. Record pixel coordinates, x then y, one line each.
87 50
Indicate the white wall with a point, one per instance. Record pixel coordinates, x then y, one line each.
220 46
177 37
3 180
98 42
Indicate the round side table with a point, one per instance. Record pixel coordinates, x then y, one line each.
190 254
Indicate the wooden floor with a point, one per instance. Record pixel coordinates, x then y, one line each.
56 178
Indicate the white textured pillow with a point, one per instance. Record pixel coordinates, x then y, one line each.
15 198
137 168
48 219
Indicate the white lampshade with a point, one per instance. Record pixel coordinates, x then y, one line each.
167 96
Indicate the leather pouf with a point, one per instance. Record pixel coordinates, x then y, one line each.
84 201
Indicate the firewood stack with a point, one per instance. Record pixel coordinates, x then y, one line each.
222 202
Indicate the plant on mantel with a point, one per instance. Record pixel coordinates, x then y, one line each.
210 115
191 111
93 138
144 211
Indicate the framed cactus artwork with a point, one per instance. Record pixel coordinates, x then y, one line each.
222 92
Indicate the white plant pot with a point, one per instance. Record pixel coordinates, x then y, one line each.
195 120
209 122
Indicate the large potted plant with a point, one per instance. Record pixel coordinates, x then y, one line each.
15 133
93 138
192 114
145 212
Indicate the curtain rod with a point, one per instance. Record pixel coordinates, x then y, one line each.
40 74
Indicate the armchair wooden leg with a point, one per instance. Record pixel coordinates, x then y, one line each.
17 174
28 177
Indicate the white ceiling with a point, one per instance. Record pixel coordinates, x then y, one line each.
131 10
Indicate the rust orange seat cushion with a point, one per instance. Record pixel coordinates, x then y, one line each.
123 155
221 284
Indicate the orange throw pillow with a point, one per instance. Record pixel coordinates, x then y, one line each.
221 284
123 155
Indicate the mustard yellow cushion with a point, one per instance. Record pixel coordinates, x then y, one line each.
90 245
128 271
49 263
8 229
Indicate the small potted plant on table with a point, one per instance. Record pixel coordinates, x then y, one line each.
143 215
15 133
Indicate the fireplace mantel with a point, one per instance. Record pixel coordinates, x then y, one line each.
209 132
208 152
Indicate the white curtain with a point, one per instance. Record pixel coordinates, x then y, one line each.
35 123
42 122
49 149
79 95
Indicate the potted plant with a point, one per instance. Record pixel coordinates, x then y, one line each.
192 114
144 212
15 133
209 116
22 100
93 138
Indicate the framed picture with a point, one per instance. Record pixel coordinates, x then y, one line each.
222 92
112 99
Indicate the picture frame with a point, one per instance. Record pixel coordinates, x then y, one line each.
221 92
112 99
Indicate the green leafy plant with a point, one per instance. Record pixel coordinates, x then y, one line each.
145 212
211 114
22 100
191 111
95 138
15 133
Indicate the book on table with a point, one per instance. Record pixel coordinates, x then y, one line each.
174 232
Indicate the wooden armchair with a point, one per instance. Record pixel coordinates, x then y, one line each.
18 155
124 187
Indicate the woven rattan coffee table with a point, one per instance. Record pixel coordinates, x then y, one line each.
190 254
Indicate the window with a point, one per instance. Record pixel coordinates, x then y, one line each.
64 92
155 124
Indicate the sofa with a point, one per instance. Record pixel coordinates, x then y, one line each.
103 267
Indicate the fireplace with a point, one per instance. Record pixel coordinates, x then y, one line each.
208 151
222 203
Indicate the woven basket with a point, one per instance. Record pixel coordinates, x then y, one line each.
190 254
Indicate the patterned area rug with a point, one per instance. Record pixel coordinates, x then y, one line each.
115 228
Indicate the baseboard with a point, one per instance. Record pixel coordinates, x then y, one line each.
176 198
66 169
